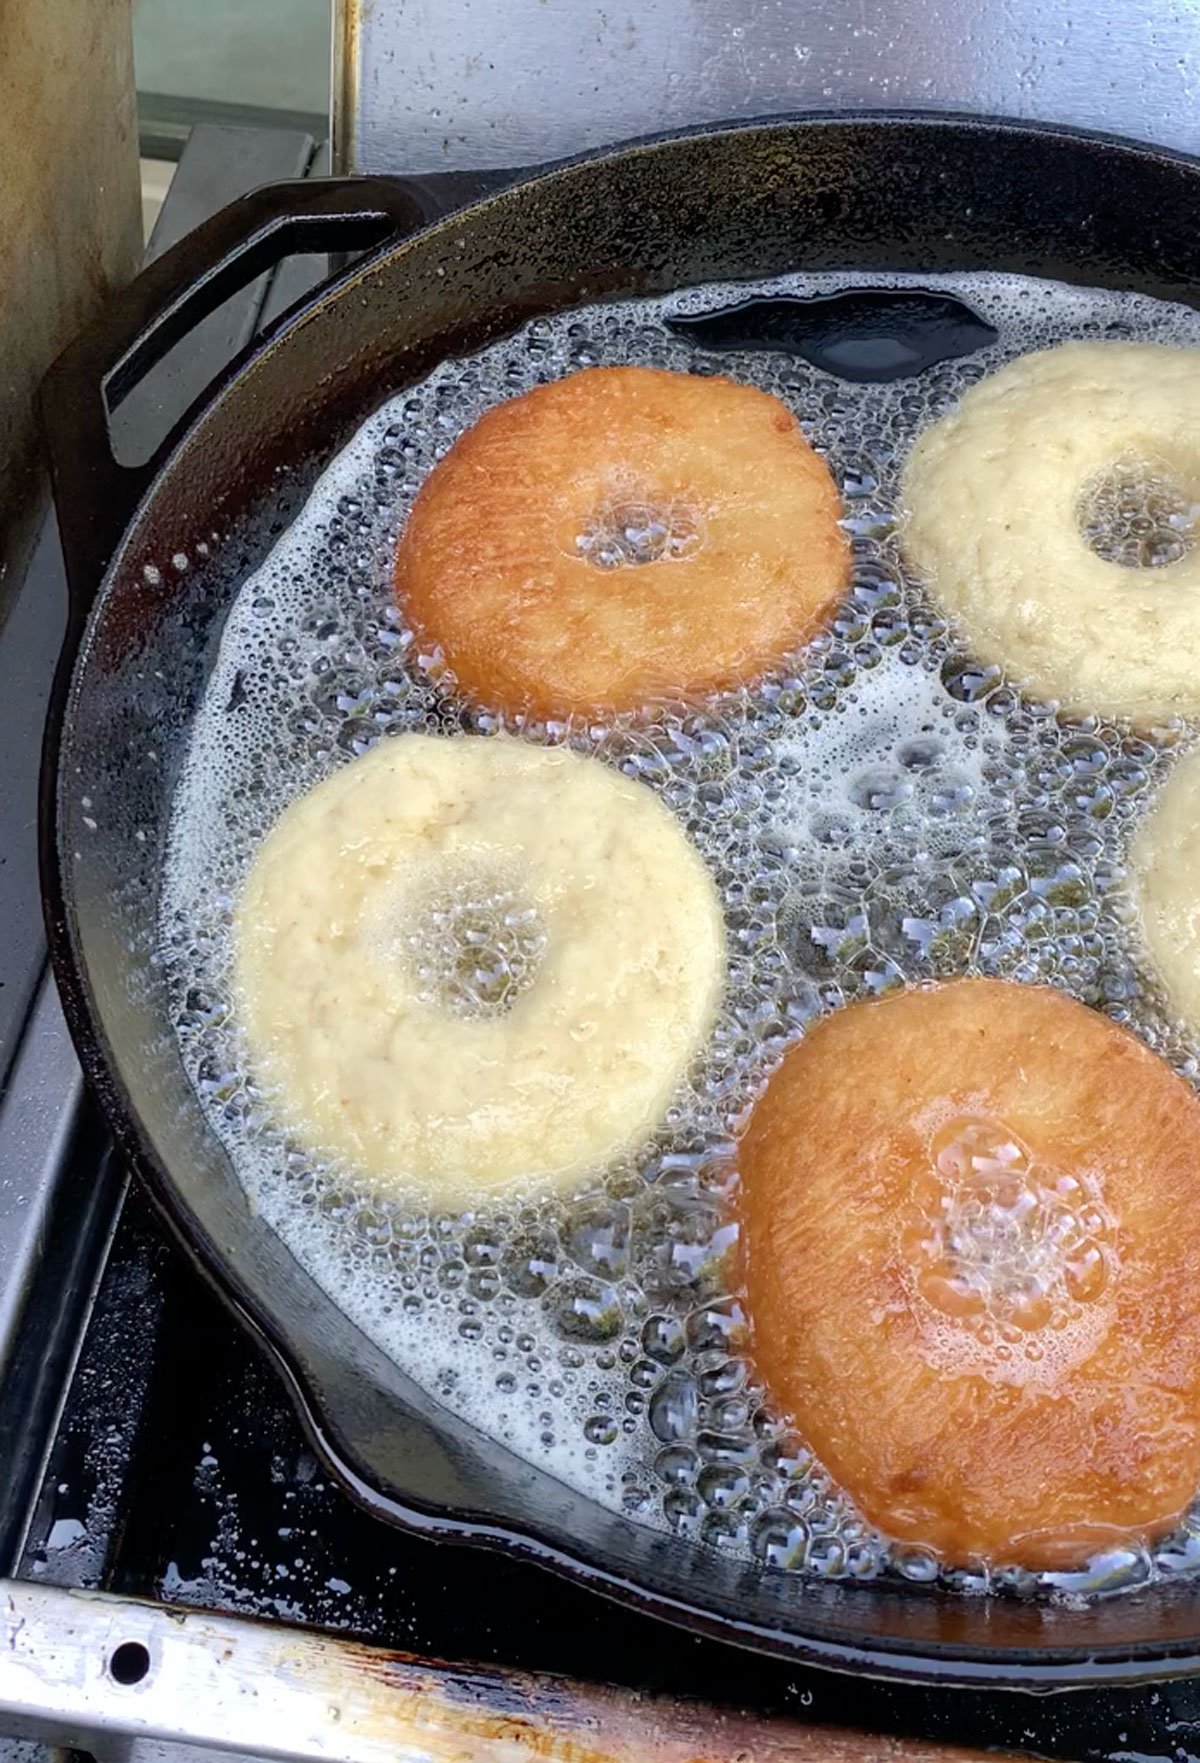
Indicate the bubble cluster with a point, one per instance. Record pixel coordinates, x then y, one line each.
1009 1242
1139 515
884 810
1007 1248
622 533
474 949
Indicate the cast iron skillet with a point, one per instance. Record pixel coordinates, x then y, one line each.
911 193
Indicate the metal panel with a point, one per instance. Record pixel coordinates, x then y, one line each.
29 644
424 85
38 1117
138 1683
58 1193
218 166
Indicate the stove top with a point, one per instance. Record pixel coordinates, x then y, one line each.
148 1452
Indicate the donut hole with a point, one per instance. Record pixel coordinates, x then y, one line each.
626 531
476 948
1001 1243
1139 514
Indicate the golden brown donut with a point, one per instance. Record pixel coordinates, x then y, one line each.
622 536
971 1217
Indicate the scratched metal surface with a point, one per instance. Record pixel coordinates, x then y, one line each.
424 85
139 1683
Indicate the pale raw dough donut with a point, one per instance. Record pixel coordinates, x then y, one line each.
993 496
388 1044
1165 862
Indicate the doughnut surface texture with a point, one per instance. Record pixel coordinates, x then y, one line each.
993 494
619 537
1165 864
470 966
972 1251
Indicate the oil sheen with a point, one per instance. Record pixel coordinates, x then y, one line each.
884 810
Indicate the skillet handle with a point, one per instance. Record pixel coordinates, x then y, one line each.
95 494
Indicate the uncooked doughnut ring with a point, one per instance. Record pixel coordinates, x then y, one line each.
972 1251
619 537
470 966
997 497
1165 865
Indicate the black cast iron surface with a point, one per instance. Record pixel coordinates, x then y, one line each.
888 193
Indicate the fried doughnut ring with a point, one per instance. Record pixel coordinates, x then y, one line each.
971 1216
622 536
1165 865
997 496
468 967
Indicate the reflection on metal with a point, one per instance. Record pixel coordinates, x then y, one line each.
425 85
166 121
37 1118
129 1682
58 1199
